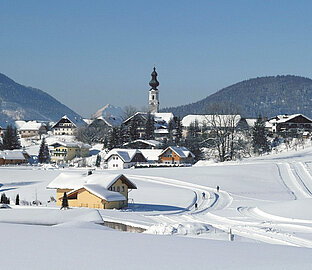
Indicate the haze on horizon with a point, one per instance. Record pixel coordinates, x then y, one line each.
90 53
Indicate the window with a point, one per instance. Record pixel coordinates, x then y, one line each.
113 188
118 188
123 188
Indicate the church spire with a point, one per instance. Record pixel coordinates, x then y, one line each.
154 83
153 94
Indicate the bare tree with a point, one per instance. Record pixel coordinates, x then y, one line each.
129 110
221 121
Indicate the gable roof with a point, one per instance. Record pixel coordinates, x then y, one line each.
12 154
102 193
76 181
207 119
71 144
182 152
77 122
141 114
153 143
125 154
285 118
31 125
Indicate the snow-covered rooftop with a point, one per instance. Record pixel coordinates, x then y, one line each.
76 181
125 154
71 144
12 154
180 151
151 154
285 117
163 117
153 143
105 194
208 119
31 125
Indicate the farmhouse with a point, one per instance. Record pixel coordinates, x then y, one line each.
176 155
290 123
67 126
102 191
31 129
210 121
12 157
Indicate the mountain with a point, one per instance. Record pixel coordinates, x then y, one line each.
113 115
18 102
268 96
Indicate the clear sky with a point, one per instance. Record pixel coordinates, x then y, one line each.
90 53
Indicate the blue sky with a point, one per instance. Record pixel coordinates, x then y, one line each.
90 53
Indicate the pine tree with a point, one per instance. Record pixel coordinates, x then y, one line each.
259 139
178 135
4 199
149 127
10 139
43 152
17 200
113 138
65 201
192 141
98 161
133 130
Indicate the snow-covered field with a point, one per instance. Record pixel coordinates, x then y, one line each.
264 202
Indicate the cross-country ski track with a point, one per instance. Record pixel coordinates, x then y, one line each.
258 225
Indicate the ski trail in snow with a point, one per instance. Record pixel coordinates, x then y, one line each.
215 200
292 181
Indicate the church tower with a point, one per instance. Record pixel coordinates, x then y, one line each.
153 95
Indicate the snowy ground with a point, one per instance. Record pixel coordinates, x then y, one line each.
263 200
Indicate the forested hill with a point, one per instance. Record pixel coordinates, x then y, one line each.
26 103
267 96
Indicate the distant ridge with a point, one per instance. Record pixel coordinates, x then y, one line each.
18 102
267 96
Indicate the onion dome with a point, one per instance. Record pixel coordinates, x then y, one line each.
154 83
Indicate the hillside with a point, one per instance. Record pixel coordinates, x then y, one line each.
21 102
268 96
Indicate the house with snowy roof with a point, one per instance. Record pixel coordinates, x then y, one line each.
161 122
67 126
124 158
142 144
93 190
208 121
12 157
65 151
176 155
30 128
291 123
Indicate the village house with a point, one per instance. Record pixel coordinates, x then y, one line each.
65 151
124 158
67 126
93 190
30 128
206 122
9 157
176 155
290 123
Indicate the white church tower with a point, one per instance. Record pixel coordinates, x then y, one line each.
153 95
